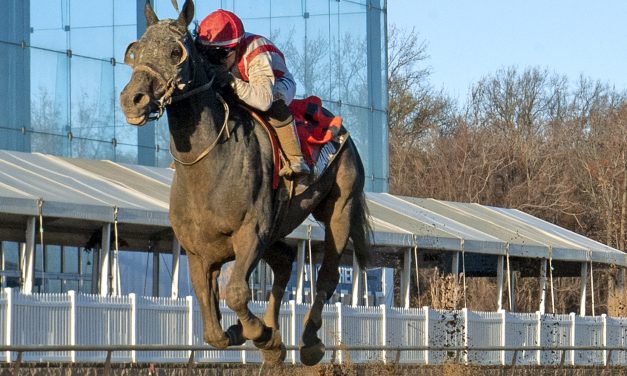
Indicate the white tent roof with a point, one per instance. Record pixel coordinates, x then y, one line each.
78 195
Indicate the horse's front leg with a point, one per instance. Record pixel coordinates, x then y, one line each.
248 250
280 257
204 275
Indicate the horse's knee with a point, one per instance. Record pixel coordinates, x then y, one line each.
237 296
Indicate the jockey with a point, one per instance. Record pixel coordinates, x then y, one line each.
259 77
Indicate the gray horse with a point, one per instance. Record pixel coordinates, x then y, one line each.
222 203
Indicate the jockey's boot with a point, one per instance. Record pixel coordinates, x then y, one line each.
291 146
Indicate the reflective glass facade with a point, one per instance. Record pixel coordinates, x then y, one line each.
61 72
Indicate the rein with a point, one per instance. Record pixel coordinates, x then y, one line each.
214 143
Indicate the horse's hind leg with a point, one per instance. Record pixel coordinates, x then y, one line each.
336 216
204 277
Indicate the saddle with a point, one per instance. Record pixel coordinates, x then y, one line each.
321 136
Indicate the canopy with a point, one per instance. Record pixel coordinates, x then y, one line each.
76 196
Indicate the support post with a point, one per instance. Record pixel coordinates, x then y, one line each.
8 323
340 338
384 326
503 334
512 290
133 300
190 321
426 332
500 261
105 250
176 255
583 279
539 337
455 265
300 268
356 288
406 278
293 333
573 325
29 256
72 296
604 337
155 272
387 281
543 280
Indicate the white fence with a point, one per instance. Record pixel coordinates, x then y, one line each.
76 319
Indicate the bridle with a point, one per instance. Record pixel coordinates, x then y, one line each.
174 84
171 85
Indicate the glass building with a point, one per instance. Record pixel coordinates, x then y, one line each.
61 74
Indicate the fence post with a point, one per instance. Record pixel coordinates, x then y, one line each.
293 328
503 334
132 300
604 337
426 331
8 323
384 326
573 325
340 338
72 295
190 322
465 338
539 337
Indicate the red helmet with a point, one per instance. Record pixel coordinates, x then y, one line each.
221 29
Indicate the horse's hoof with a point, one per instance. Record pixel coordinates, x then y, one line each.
271 339
275 356
235 335
311 355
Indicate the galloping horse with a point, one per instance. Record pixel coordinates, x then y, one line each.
222 203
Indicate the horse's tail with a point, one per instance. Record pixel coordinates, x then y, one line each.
360 231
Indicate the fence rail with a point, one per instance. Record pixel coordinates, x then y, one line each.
78 328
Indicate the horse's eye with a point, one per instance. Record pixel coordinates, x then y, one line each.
176 56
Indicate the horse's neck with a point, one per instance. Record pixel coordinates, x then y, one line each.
195 125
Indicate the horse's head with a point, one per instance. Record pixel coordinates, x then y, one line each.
161 65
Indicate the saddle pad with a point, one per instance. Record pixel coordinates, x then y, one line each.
315 126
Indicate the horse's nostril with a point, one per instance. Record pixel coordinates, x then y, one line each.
140 99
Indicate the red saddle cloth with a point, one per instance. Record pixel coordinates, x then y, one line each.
315 126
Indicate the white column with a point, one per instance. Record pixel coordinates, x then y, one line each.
293 341
72 296
133 300
455 265
539 337
155 272
500 261
406 278
503 333
29 257
263 280
387 281
190 322
356 288
426 332
105 250
176 255
300 269
339 337
582 288
604 337
543 266
8 324
384 326
573 323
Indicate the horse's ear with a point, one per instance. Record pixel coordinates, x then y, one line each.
149 13
187 14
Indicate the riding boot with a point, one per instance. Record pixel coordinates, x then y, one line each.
291 146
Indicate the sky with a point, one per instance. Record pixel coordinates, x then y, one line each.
468 40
